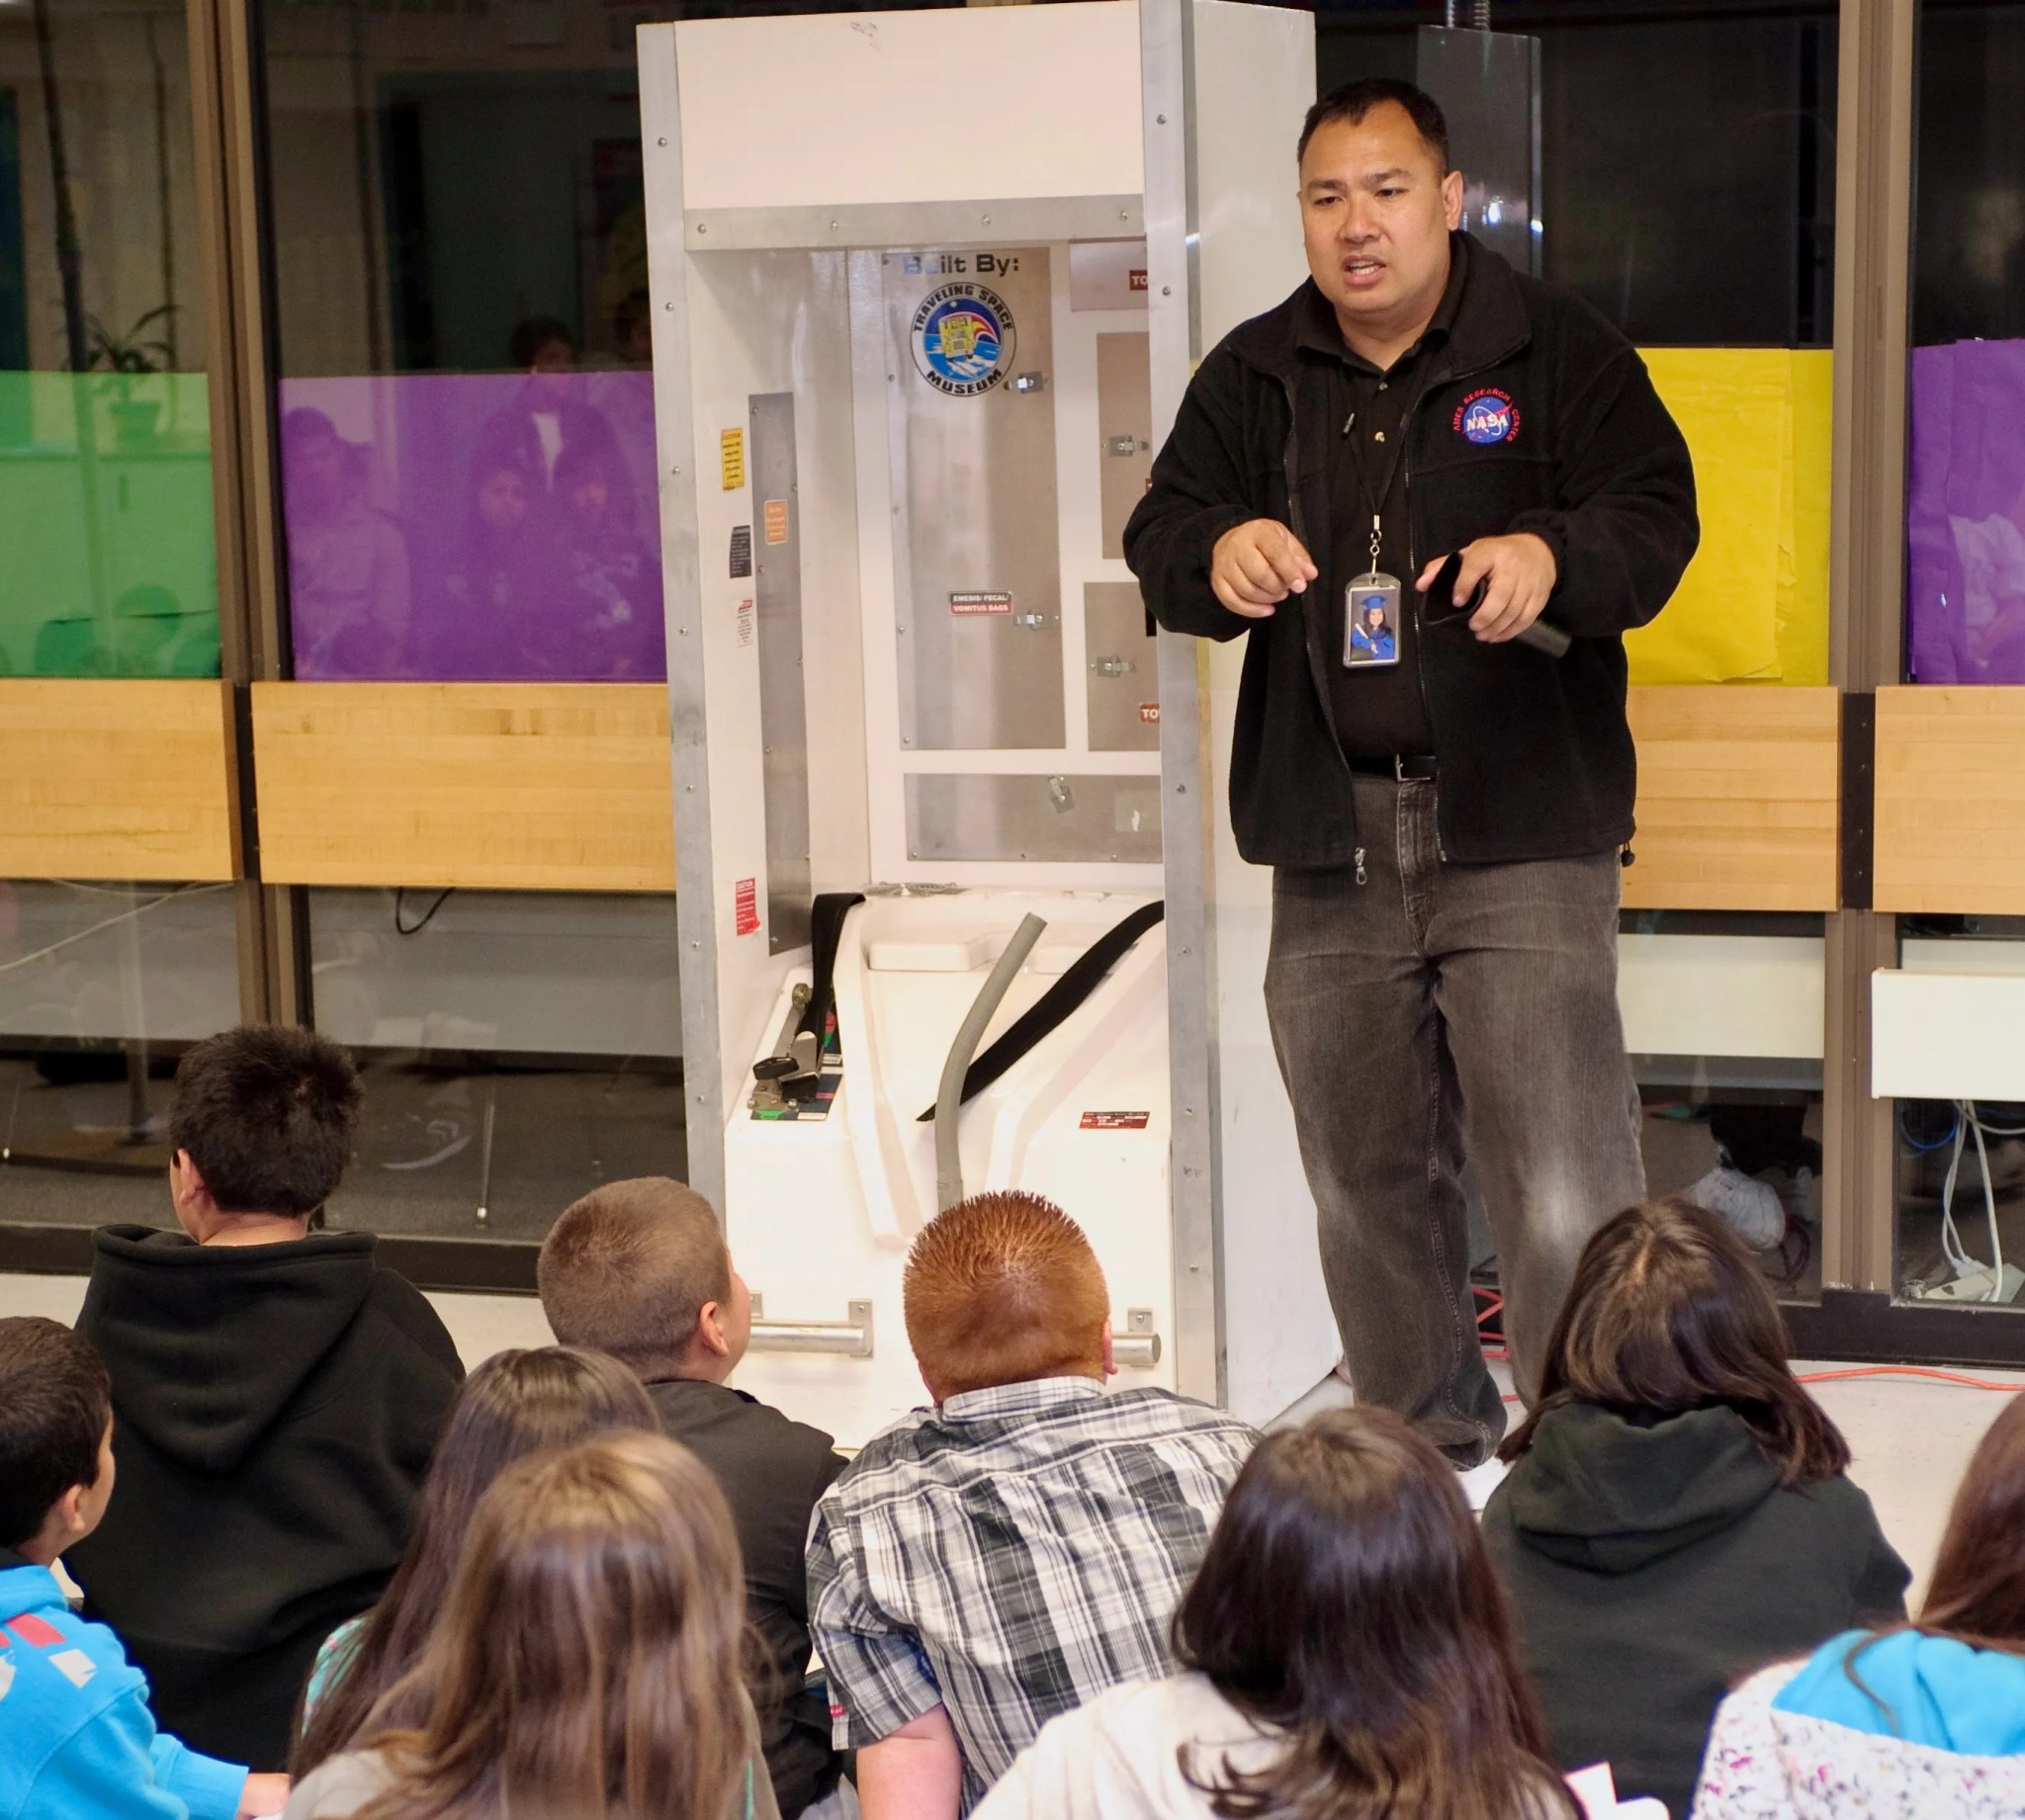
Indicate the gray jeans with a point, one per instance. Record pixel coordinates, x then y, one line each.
1432 1011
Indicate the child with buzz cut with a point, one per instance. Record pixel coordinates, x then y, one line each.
77 1741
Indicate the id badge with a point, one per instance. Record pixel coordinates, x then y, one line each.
1370 622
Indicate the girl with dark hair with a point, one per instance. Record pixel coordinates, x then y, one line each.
1921 1718
516 1403
585 1665
1348 1656
1677 1513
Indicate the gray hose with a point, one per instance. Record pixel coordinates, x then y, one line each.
949 1095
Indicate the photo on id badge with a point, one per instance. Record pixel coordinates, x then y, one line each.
1372 619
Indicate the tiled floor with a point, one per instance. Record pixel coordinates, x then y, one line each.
1910 1437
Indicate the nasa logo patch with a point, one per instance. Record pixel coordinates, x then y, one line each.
963 340
1487 417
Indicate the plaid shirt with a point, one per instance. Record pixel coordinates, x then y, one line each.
1010 1554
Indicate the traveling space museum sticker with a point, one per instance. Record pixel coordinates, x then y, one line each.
963 340
1487 417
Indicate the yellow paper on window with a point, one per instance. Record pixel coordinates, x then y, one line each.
1735 407
1803 604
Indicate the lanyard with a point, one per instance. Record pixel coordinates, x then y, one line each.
1376 502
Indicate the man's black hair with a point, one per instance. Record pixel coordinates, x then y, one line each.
55 1398
267 1113
1353 100
534 334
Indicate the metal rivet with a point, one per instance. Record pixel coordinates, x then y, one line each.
1159 120
1167 291
665 142
832 226
676 468
1124 215
986 219
702 228
682 632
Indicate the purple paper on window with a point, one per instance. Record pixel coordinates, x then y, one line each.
473 527
1965 514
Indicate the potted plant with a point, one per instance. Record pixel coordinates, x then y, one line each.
125 358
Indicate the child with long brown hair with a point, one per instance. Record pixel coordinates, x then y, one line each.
1348 1656
1921 1718
516 1403
586 1666
1677 1513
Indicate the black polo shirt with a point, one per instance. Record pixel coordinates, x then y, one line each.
1380 710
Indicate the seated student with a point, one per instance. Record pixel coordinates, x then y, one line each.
1347 1653
640 1271
1010 1553
513 1405
1676 1514
1911 1720
586 1661
278 1394
77 1741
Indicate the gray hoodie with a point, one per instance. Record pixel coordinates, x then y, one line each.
1118 1758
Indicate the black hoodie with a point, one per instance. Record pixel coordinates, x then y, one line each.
1652 1563
274 1406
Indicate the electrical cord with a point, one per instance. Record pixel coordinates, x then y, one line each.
428 917
1935 1373
126 916
1969 1121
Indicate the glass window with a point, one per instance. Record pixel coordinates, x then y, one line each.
465 401
102 987
1960 1164
108 566
1965 458
517 1049
1696 211
1695 208
1724 1018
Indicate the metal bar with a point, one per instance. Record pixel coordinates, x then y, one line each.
1138 1346
696 899
940 224
1186 839
850 1338
1873 254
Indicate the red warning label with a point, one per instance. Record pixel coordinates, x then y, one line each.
746 906
1116 1121
1149 714
987 600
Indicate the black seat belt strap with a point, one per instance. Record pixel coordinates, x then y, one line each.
1059 1002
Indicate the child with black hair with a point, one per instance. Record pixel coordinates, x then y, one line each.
278 1391
77 1741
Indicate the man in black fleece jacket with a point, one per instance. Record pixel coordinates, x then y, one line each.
1446 828
276 1395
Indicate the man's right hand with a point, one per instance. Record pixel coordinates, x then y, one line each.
1257 564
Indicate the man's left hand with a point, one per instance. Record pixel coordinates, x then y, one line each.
1522 574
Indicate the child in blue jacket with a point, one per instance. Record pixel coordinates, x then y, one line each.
77 1741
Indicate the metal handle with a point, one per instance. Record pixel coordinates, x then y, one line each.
850 1338
1138 1346
1112 666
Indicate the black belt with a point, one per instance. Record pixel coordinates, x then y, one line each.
1402 767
